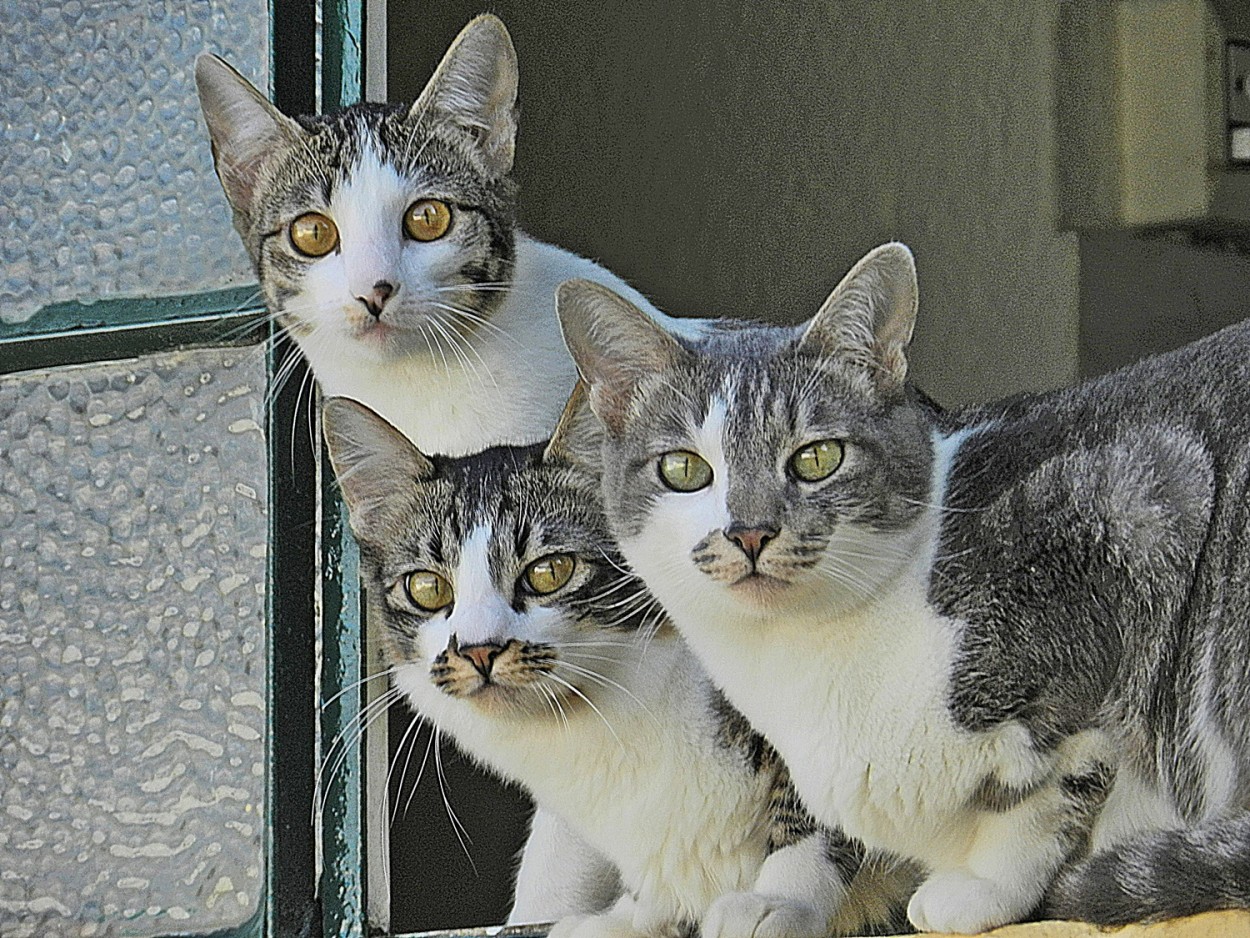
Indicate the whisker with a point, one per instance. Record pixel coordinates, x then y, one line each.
385 672
590 703
608 682
462 833
411 732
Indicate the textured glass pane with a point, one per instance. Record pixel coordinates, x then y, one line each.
132 645
106 182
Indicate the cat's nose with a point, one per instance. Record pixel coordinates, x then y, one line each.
751 539
382 291
482 656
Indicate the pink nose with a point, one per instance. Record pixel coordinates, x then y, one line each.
751 540
482 656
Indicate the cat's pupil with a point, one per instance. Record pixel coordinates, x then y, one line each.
314 234
550 573
427 220
817 461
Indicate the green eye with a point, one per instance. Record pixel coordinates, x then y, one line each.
817 461
548 574
428 590
684 471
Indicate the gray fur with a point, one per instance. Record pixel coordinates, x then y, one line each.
1092 540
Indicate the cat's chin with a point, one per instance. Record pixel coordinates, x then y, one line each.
760 589
499 701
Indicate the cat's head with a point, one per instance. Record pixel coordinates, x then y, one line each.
499 586
377 230
761 468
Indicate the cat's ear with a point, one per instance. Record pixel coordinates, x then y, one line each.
244 127
372 463
475 87
578 437
869 316
614 344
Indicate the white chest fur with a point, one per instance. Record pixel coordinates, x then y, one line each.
866 733
644 781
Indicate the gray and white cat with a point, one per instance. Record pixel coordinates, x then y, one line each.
1008 643
385 242
513 625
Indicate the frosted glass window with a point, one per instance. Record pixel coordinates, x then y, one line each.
133 559
106 180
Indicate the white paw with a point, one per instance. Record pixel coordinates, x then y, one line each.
755 915
957 901
605 925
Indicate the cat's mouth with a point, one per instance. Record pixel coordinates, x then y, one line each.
758 586
370 329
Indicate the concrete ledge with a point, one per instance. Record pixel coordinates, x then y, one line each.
1235 924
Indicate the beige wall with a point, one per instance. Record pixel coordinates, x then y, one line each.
736 157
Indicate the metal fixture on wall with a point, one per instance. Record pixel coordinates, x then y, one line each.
1154 116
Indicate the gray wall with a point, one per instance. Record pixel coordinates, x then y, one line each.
1141 295
735 158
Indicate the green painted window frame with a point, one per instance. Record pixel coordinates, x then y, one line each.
311 888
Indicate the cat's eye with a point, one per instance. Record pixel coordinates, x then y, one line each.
548 574
684 471
427 220
314 234
428 590
817 461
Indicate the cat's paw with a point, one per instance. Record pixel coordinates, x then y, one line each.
755 915
605 925
960 902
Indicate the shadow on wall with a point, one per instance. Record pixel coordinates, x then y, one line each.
1141 296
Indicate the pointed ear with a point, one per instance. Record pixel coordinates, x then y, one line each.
614 344
244 128
578 437
373 462
869 316
475 87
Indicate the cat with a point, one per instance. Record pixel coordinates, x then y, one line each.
386 245
513 625
1006 642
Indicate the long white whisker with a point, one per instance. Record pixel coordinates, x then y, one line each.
412 731
590 703
462 834
608 682
385 672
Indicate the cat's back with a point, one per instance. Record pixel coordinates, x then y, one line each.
1086 530
1182 413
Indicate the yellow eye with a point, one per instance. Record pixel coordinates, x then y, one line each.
314 234
548 574
427 220
684 471
428 590
817 461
